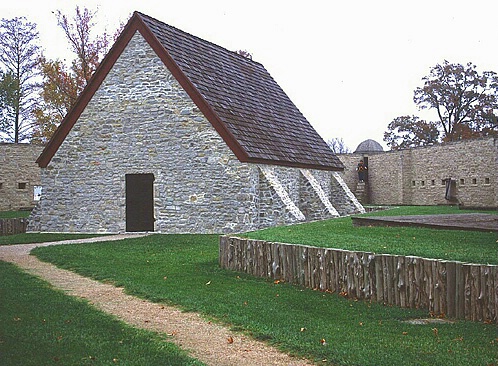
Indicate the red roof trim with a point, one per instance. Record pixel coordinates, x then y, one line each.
293 165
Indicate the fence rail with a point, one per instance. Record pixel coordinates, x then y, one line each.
453 289
13 226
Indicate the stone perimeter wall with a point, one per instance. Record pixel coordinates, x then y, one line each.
19 174
141 121
416 176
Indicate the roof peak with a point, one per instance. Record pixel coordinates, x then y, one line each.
142 15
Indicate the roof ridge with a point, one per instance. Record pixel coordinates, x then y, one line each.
202 40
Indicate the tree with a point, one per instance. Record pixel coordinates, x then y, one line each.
244 53
466 102
19 59
410 131
59 93
62 84
338 146
88 51
7 98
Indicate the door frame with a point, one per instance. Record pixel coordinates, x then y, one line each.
139 202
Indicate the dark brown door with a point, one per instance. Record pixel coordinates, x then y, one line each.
139 202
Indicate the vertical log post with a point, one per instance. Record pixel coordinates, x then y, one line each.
459 290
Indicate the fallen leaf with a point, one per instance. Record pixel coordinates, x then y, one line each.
230 340
405 333
436 332
208 283
323 342
303 329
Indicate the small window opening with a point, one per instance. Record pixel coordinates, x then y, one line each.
1 185
474 180
422 183
433 182
413 183
486 180
21 185
462 181
443 182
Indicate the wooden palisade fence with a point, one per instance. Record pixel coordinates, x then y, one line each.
453 289
13 226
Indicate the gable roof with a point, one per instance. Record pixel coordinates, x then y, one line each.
249 110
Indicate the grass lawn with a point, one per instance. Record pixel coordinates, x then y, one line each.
465 246
426 210
35 237
42 326
28 238
14 214
183 270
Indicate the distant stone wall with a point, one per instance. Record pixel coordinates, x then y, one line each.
141 121
418 176
19 175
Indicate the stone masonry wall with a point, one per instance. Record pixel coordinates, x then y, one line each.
417 176
19 175
141 121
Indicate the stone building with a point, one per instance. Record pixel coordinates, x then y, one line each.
20 182
459 173
175 134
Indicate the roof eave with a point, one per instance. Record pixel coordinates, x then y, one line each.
295 164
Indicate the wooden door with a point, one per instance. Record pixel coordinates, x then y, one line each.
139 202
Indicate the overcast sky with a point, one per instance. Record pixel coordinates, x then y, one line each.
351 67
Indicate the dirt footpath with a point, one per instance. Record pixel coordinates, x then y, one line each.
211 343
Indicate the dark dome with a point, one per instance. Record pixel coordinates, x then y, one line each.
368 146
